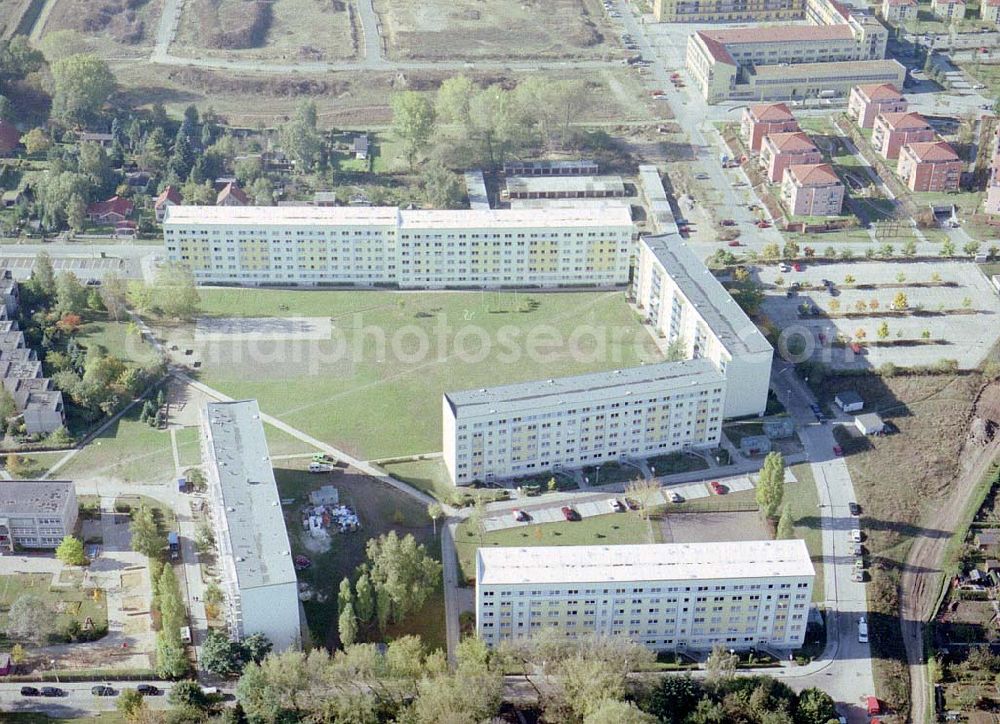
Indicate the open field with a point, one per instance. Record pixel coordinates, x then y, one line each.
114 338
308 30
466 29
431 476
380 509
66 602
394 351
804 504
113 29
189 446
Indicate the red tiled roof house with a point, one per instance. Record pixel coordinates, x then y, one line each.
232 195
893 130
867 101
764 119
112 211
781 150
169 197
812 190
929 166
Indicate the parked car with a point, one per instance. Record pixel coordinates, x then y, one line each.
701 176
520 516
763 224
52 691
783 267
616 505
320 468
838 451
859 550
858 576
728 222
102 690
735 242
717 487
856 535
30 691
675 497
569 513
632 503
147 690
796 266
862 630
859 563
854 508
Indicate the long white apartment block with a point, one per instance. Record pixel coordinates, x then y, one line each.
668 597
687 305
258 575
387 246
522 429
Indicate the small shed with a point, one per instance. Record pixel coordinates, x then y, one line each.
360 147
869 423
992 564
755 445
849 401
987 539
327 495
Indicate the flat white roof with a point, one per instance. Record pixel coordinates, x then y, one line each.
513 218
251 504
655 562
654 379
598 202
565 183
282 215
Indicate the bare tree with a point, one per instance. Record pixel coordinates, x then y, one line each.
643 491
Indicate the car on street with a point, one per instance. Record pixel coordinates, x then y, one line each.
102 690
858 576
855 535
616 505
797 267
701 176
859 564
815 408
838 451
30 691
52 691
763 224
675 497
570 514
862 630
717 487
735 242
147 690
859 550
854 508
728 222
520 516
783 267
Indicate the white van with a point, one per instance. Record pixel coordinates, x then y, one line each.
862 630
320 468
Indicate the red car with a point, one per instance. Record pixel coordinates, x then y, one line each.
838 451
763 224
717 487
569 513
657 93
735 242
797 267
674 76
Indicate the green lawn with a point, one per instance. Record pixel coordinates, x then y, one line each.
676 463
114 338
189 446
431 476
400 351
804 504
67 602
611 529
280 442
128 450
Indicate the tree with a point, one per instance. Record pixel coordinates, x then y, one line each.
771 252
721 665
8 407
873 304
146 536
76 213
451 104
82 84
786 524
442 188
29 619
182 156
434 512
643 491
849 279
611 711
344 594
882 332
255 648
815 706
113 291
70 551
71 295
130 704
402 573
15 465
860 306
17 59
187 693
947 248
204 540
900 302
412 122
364 604
674 698
791 249
36 141
901 277
771 484
221 656
43 277
175 292
834 305
971 247
347 625
909 247
300 137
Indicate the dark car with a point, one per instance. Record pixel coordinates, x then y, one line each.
147 690
102 691
569 513
30 691
632 504
52 691
854 508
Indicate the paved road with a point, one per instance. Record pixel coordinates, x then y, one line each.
77 702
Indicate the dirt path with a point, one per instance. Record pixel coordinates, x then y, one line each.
921 583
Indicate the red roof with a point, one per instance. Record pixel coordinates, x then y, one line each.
901 2
716 49
169 194
231 189
905 121
932 151
10 137
781 34
813 174
114 205
882 91
790 142
773 112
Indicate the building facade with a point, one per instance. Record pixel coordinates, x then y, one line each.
763 119
781 150
727 11
899 12
950 10
989 11
687 306
571 422
36 513
893 130
386 246
867 101
563 187
812 190
258 577
667 597
931 166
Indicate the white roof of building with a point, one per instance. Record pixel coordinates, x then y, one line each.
600 202
475 186
711 300
655 562
653 379
538 184
30 498
254 520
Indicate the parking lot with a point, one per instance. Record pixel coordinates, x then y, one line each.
93 267
951 312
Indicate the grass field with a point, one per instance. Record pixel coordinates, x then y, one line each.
804 504
119 34
431 476
189 446
114 338
611 529
23 717
281 443
66 603
128 450
397 351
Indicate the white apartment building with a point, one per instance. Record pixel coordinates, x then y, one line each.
386 246
258 576
36 513
668 597
521 429
687 305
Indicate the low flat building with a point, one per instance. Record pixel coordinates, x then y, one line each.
475 188
869 423
812 190
764 119
562 187
781 150
661 216
893 130
527 428
950 10
36 513
258 575
579 167
899 12
931 166
667 597
867 101
849 401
